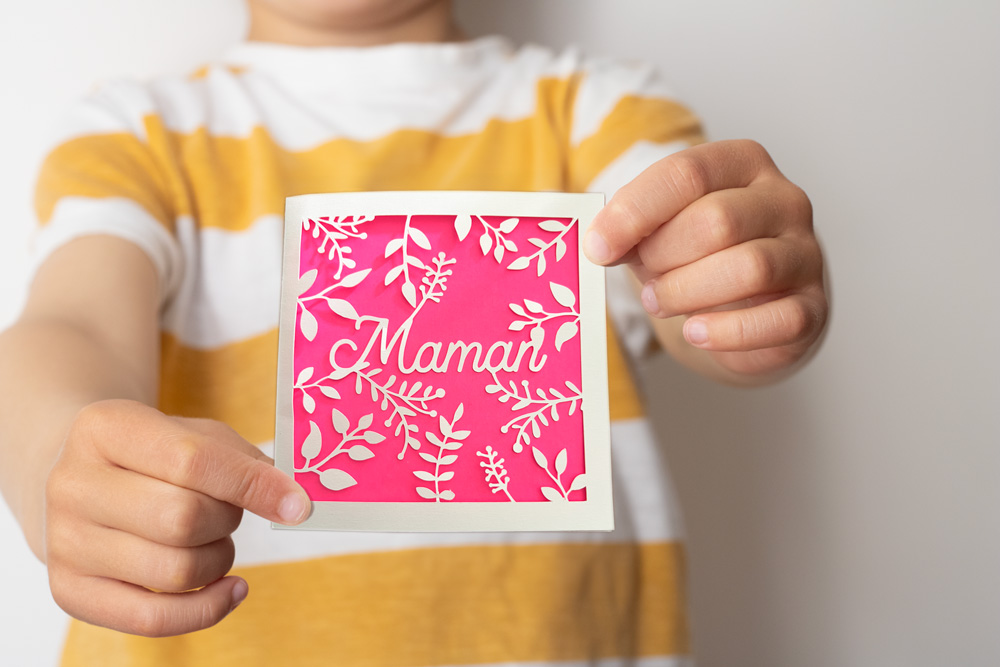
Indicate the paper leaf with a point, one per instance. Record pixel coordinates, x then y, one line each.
313 443
463 224
579 482
517 325
352 279
343 308
308 325
540 265
561 462
560 249
420 238
329 392
445 460
393 274
308 402
551 494
424 475
424 492
447 476
563 295
565 333
430 458
373 438
410 294
360 453
519 264
340 422
553 226
393 246
336 480
433 439
498 253
447 495
485 243
459 411
305 375
461 435
444 426
540 458
508 225
366 421
452 445
534 306
307 280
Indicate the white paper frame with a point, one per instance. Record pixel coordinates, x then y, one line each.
594 513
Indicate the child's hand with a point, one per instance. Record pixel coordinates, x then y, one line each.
718 234
138 500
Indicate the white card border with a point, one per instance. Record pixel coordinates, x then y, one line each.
594 513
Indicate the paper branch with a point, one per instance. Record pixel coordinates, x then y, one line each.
449 440
560 493
541 403
535 315
558 243
336 479
333 231
494 469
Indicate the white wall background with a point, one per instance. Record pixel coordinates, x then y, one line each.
848 517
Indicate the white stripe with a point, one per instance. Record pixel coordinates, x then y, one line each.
76 217
645 511
231 288
228 104
605 83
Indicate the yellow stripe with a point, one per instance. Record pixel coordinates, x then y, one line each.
633 119
236 383
442 606
229 182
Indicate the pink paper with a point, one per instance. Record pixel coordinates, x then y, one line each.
385 407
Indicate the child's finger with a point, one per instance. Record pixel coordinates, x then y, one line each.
156 510
217 465
118 555
665 189
720 220
135 610
795 319
762 266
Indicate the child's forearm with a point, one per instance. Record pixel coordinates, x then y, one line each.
51 370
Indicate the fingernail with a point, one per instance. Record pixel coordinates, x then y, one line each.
596 248
240 591
696 332
293 508
649 301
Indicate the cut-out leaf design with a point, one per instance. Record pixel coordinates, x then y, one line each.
447 494
534 306
365 421
308 402
424 492
410 294
343 308
393 273
340 422
552 495
463 224
393 246
353 279
305 375
336 479
579 482
540 458
420 238
485 243
498 252
313 443
508 225
519 264
308 325
566 332
329 392
360 453
373 438
561 460
563 295
553 226
307 280
560 249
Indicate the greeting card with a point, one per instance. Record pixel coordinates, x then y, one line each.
442 362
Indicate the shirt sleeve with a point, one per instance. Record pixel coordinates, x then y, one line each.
625 118
103 176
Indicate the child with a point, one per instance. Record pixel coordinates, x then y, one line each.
161 232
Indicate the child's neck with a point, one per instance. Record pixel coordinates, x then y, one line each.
432 22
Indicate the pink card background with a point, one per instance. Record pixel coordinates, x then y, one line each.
348 281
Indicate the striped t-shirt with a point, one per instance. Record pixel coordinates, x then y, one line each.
195 170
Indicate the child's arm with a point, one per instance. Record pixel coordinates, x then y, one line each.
115 497
723 243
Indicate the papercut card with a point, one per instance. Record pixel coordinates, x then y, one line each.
443 363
